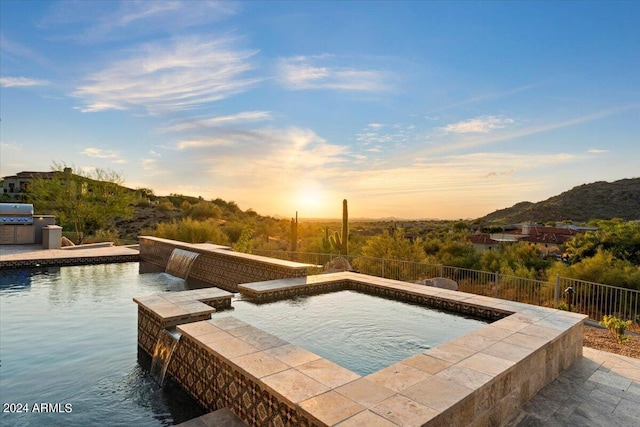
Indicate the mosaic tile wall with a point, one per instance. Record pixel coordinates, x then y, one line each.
216 384
149 326
68 261
222 268
481 312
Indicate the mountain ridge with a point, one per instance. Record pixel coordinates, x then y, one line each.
598 200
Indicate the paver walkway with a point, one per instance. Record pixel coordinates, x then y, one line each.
600 389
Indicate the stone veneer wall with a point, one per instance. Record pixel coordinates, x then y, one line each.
220 266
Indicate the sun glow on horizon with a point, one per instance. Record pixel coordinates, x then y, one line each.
310 200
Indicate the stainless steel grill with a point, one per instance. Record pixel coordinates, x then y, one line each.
16 224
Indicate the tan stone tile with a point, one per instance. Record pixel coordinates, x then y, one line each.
260 364
474 341
228 322
465 377
508 351
365 392
450 352
196 307
232 347
486 364
527 341
197 329
492 331
403 411
366 419
211 338
331 407
437 393
263 340
328 373
169 310
397 377
292 355
426 363
510 324
294 385
541 332
243 330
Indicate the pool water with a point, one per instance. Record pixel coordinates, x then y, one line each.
68 335
360 332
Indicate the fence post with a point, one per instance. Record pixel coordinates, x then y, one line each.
382 267
497 284
441 268
556 293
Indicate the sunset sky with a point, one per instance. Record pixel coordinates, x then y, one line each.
407 109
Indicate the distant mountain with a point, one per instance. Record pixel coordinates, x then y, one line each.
599 200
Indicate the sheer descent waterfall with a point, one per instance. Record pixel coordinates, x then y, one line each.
165 346
180 263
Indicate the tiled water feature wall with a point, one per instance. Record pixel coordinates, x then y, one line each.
480 379
219 265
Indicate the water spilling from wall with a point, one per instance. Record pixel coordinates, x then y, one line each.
180 263
165 346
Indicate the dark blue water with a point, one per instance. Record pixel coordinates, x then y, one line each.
360 332
68 340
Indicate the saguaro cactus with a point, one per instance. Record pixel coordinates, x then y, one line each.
294 234
340 242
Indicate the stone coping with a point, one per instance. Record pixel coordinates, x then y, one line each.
203 248
435 387
173 308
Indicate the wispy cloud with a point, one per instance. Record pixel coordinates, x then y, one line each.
597 151
204 142
21 82
14 51
488 96
100 153
393 135
166 77
214 122
463 142
482 124
91 22
308 72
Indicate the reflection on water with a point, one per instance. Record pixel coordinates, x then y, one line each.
72 338
360 332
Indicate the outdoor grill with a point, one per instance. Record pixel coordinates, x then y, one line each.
16 224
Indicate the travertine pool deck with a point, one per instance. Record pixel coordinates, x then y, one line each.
25 256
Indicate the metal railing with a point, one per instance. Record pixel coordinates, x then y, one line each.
593 299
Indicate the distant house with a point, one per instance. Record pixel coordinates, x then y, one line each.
548 240
483 242
14 186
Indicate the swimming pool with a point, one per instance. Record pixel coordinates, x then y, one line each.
68 340
360 332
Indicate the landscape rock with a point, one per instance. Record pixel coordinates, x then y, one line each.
336 265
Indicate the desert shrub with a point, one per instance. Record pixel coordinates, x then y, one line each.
165 206
617 327
104 236
191 231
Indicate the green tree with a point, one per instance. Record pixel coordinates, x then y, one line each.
83 202
620 237
393 246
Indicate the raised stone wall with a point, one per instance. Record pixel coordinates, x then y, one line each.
219 265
